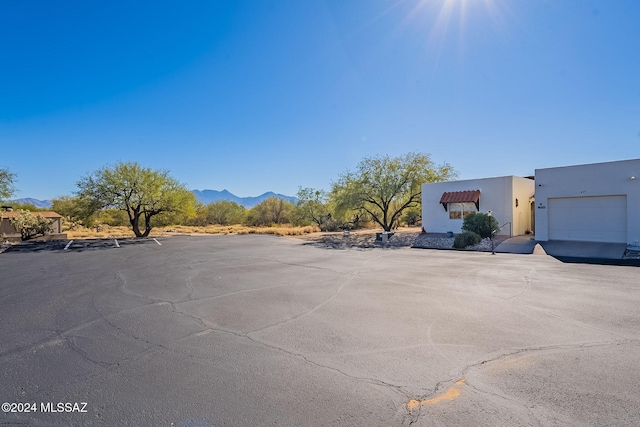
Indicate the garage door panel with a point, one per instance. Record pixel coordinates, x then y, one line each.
595 219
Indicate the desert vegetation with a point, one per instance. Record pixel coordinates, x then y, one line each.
123 231
480 223
466 238
141 193
31 224
117 200
384 188
7 178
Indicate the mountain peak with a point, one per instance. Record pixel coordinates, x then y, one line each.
210 196
46 204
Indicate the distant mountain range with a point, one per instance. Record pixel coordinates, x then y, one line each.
45 204
204 196
210 196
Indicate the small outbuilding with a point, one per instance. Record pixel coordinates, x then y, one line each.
597 202
8 231
509 198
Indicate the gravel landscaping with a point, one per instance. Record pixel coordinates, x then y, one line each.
366 239
441 241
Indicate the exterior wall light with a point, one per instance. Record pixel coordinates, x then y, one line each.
632 178
516 203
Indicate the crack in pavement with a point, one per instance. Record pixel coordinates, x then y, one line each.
293 264
403 347
570 320
123 288
190 287
547 348
65 333
312 310
508 399
527 281
210 327
235 293
515 353
76 349
396 388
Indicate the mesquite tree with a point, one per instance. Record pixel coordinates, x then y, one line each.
141 192
384 187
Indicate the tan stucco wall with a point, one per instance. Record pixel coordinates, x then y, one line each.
6 229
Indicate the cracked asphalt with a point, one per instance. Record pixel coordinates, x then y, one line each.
260 330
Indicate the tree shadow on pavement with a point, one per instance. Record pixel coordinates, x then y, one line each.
75 245
360 241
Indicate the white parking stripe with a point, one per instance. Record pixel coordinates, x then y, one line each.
68 244
117 245
157 241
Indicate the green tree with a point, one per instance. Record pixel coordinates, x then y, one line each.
313 207
16 206
111 217
271 211
7 178
384 187
31 225
74 210
412 216
200 217
225 212
140 192
179 217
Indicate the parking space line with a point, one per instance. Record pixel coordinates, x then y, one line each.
157 241
68 244
117 244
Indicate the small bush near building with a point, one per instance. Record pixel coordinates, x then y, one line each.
467 238
30 225
481 224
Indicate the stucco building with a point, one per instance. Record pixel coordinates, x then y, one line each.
509 198
597 202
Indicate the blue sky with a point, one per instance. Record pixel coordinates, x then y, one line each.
270 95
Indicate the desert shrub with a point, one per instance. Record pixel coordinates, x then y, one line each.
412 216
313 208
332 225
270 211
481 224
113 218
17 206
76 212
467 238
222 212
30 225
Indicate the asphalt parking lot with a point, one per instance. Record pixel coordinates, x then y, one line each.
261 330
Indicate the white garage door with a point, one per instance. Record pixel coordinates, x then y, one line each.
590 219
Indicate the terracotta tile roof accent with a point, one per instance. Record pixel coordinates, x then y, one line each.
469 196
12 214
